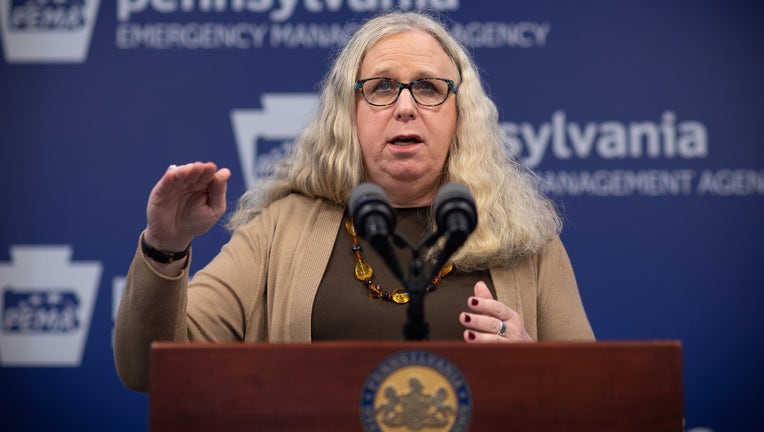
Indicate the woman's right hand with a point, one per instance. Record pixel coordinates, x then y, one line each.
186 202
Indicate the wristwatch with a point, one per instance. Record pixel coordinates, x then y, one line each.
162 257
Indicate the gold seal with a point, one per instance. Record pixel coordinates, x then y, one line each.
415 391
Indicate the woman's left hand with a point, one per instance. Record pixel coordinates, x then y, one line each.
491 320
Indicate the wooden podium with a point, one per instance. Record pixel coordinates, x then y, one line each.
598 386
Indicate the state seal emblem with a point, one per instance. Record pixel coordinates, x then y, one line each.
416 391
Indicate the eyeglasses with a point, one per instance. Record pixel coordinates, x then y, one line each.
380 91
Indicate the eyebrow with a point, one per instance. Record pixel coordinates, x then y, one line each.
387 73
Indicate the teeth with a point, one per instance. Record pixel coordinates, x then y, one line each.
404 142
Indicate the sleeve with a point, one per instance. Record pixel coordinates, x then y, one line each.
152 308
220 303
561 314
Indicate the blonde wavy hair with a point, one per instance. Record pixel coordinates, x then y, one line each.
325 161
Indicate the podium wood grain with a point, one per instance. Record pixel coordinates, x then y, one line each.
602 386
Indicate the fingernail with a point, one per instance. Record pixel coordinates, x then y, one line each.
470 336
467 318
474 302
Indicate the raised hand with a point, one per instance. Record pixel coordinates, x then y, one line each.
187 201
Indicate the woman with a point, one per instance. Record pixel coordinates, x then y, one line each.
402 107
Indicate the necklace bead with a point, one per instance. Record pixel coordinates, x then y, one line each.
365 273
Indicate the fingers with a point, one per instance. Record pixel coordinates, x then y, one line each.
482 291
483 324
482 328
190 176
217 190
186 202
483 303
490 320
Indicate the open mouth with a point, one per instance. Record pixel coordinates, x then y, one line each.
403 141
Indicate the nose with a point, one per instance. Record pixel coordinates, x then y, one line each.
405 106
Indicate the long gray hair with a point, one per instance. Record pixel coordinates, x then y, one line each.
514 218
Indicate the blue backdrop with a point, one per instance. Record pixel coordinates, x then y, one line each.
642 119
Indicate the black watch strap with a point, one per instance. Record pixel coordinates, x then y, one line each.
162 257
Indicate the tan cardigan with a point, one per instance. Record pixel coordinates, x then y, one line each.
262 284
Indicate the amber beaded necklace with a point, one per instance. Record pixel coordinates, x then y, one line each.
365 274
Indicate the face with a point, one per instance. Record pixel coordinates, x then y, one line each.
405 145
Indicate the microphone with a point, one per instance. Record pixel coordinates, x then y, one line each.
374 221
456 217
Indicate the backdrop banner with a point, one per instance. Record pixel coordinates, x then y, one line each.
641 119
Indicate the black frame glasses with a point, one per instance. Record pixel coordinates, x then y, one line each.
417 86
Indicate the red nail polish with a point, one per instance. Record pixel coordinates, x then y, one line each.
474 302
471 336
467 318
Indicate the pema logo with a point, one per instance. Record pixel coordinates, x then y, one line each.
47 31
45 314
264 136
27 311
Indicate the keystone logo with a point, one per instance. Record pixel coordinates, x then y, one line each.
265 136
46 303
47 31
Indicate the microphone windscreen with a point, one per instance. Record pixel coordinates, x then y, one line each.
455 197
365 193
451 191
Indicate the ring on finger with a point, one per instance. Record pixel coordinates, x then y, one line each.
502 329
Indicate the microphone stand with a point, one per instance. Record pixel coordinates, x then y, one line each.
416 328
